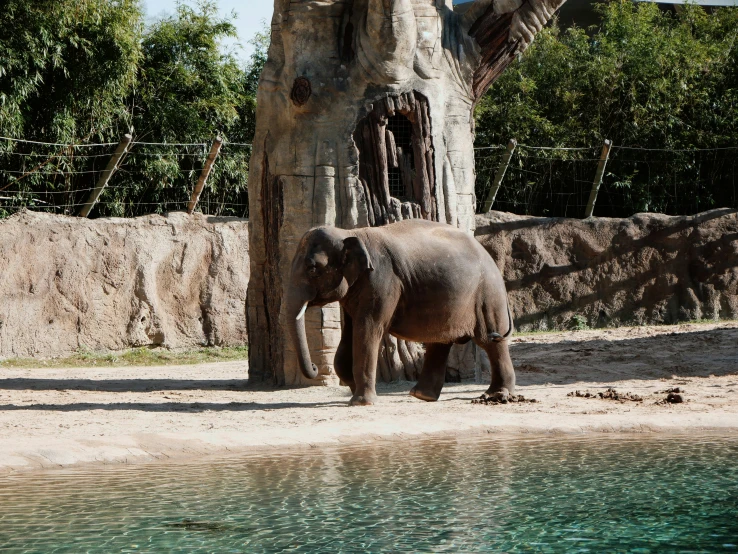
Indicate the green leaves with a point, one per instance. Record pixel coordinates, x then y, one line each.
643 78
188 89
88 71
66 61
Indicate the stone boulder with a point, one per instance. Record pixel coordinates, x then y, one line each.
646 269
68 283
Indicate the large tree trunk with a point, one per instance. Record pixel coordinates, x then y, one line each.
364 117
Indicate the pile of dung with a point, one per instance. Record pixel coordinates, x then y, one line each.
673 396
499 399
609 394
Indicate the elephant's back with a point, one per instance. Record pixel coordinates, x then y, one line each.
423 249
427 233
422 238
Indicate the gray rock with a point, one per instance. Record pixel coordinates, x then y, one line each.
108 284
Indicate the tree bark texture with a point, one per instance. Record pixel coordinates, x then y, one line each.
365 117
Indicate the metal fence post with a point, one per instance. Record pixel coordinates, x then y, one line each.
604 156
500 175
195 198
102 182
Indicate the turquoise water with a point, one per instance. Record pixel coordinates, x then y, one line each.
625 494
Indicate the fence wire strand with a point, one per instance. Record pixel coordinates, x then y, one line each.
540 180
557 182
150 178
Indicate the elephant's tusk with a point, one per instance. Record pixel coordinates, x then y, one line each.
302 312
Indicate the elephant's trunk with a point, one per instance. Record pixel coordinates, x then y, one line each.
297 302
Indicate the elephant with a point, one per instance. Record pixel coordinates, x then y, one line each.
416 279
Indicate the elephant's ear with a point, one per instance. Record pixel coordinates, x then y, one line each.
356 259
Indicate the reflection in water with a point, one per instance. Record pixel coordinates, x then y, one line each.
485 495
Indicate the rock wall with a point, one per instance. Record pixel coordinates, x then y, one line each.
178 281
68 283
646 269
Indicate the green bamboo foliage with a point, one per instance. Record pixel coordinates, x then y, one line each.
67 68
87 72
645 79
662 86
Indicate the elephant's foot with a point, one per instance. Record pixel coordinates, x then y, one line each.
366 399
423 395
501 396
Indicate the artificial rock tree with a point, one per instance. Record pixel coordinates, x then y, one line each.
365 117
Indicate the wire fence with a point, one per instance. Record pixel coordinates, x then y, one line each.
544 181
149 178
558 182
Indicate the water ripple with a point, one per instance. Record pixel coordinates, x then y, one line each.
626 494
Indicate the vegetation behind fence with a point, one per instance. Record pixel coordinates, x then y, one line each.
662 86
150 178
85 73
557 182
543 181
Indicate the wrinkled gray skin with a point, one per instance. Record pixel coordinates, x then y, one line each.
418 280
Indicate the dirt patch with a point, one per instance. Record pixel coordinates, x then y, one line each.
675 390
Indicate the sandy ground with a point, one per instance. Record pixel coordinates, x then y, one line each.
52 418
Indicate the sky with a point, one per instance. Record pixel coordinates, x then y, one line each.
250 14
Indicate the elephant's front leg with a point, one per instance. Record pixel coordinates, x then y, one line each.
367 336
344 360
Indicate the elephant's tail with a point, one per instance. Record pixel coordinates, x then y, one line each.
496 336
509 319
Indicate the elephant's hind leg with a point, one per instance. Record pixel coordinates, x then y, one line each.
433 375
503 372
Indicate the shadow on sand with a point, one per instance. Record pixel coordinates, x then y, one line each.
180 407
122 385
691 354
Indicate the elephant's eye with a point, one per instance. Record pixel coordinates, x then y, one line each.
312 271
